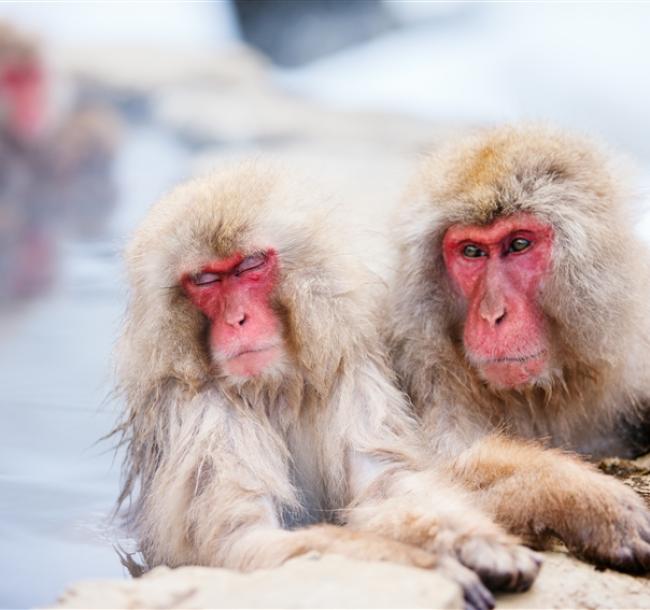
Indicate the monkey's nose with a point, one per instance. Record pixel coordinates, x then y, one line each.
492 315
235 317
492 307
494 318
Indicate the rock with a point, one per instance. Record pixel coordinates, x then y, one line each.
635 473
565 582
312 581
331 581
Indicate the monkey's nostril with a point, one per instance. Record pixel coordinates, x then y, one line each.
241 322
500 318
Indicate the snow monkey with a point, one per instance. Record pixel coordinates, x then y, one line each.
22 86
262 420
520 311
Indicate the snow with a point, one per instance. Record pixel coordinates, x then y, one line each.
199 25
580 65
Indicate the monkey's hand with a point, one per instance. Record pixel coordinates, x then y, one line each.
499 559
471 539
368 546
444 522
535 492
458 531
611 526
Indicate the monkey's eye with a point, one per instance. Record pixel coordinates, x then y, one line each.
519 245
254 261
205 278
472 251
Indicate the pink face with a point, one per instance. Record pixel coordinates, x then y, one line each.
22 86
234 293
499 270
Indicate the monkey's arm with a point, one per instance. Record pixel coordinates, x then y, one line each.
538 492
395 495
220 489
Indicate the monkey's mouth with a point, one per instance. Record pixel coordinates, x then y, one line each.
251 361
246 351
513 359
514 371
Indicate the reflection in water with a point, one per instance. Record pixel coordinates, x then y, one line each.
55 169
56 486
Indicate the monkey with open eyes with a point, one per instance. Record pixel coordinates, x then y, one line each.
519 318
262 419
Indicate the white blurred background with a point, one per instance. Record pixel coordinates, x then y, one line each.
104 105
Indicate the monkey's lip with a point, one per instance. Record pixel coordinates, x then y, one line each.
250 361
256 350
511 359
514 371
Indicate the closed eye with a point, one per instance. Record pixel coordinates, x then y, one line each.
205 278
254 261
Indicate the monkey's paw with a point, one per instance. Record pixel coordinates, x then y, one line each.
615 533
476 595
503 565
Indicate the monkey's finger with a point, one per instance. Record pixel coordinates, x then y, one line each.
502 567
642 554
533 562
476 595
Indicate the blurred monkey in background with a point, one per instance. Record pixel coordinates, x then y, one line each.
56 167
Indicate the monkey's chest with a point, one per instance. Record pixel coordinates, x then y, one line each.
586 434
312 477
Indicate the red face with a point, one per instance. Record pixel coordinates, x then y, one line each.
234 293
22 86
499 270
